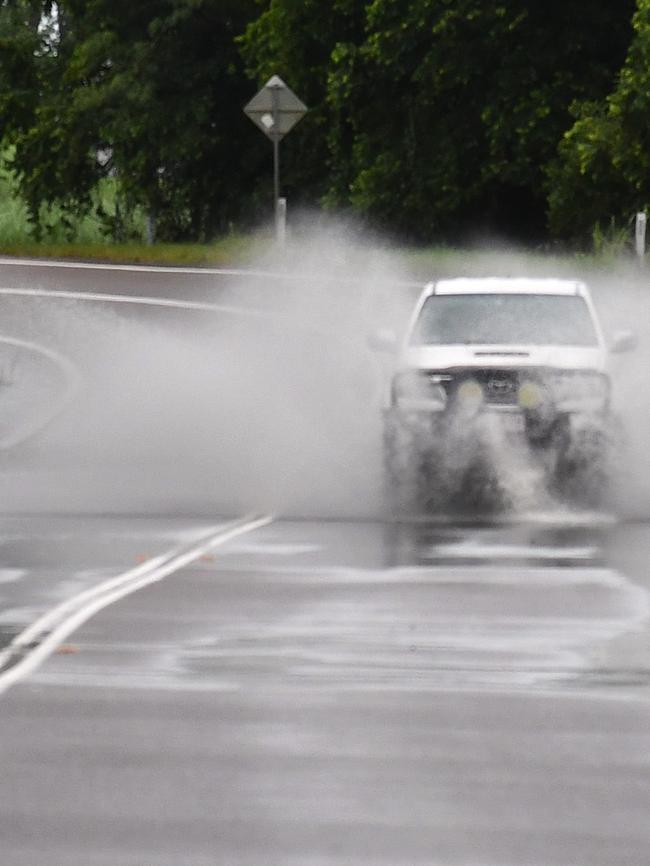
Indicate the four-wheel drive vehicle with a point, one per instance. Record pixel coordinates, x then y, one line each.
493 366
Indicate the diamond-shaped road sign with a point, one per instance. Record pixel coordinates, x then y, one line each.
275 109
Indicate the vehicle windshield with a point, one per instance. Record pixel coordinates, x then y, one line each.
505 319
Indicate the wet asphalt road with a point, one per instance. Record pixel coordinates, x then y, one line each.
198 284
321 693
337 693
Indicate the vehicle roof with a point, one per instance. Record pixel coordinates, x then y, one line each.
506 285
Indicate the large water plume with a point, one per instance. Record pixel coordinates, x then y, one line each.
269 403
274 402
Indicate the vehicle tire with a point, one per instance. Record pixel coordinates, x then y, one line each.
583 468
406 470
480 489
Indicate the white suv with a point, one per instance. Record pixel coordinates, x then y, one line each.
490 366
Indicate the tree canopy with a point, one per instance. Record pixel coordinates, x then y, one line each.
603 169
429 118
151 91
441 117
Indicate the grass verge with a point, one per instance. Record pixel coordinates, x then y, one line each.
229 251
244 250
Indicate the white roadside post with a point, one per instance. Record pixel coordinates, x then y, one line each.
281 221
640 233
276 109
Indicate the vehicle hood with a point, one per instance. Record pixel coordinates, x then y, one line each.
504 357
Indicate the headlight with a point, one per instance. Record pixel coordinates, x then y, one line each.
419 392
581 392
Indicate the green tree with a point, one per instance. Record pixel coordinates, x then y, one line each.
428 117
456 108
435 117
602 173
21 47
155 87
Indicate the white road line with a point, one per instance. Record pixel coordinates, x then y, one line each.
162 269
475 550
73 382
560 518
143 269
251 312
131 299
39 640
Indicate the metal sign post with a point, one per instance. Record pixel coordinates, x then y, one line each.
276 110
281 221
640 233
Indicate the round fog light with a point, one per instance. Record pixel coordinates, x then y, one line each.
470 393
530 395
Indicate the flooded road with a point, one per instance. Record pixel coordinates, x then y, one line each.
329 693
315 692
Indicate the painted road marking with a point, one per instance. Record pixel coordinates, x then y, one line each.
72 387
558 518
482 575
163 269
131 299
143 269
11 575
473 549
40 639
141 300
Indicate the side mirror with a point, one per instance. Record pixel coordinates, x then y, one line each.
623 341
382 340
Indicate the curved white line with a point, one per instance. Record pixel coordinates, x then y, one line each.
249 312
39 640
73 384
163 269
143 269
131 299
103 297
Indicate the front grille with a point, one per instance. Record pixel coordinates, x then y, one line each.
500 387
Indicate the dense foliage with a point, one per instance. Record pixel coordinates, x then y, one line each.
150 91
456 108
430 118
603 170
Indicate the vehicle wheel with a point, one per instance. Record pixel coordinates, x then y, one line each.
407 468
480 489
583 471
